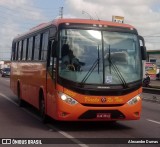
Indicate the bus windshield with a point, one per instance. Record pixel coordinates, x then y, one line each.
99 57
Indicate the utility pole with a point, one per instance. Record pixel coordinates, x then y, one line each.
61 12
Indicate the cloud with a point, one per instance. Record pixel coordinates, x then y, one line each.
19 7
18 16
15 18
143 14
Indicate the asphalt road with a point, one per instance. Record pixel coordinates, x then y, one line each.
24 123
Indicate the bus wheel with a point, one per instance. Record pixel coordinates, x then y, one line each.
20 101
42 109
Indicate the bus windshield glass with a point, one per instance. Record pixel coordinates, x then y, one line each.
99 57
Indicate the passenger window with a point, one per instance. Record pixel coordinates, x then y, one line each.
52 32
19 50
44 46
37 47
17 45
30 46
14 48
27 48
24 49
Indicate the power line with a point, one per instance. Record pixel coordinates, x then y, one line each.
18 26
26 6
152 42
16 13
150 36
21 20
32 8
18 16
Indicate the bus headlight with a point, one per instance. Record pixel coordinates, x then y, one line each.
67 99
134 100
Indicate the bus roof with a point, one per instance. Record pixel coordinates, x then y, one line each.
57 22
90 21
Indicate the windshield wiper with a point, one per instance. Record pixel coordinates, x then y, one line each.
91 69
116 70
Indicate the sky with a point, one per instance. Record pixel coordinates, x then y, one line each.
18 16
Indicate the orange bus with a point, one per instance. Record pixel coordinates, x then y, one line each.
79 70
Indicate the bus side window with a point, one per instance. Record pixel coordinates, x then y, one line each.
51 61
13 56
21 56
24 49
37 47
40 49
30 46
33 48
27 48
19 50
17 45
52 32
44 46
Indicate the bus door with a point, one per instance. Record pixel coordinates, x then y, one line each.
51 80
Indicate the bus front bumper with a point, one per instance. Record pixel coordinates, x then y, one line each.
78 112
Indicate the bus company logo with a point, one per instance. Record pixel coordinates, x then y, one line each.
92 100
103 99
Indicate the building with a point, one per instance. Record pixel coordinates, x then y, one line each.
154 57
4 64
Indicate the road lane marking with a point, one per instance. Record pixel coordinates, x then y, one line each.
7 98
67 136
7 80
154 121
49 125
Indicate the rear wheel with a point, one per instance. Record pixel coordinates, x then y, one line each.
42 109
20 101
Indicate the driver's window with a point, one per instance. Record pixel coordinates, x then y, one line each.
52 60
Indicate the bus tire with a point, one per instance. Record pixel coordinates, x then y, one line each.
42 108
20 101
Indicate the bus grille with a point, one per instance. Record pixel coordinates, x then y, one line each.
91 114
102 105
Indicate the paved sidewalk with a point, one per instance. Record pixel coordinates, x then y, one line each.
154 84
151 97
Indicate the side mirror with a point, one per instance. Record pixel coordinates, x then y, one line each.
54 48
143 53
143 48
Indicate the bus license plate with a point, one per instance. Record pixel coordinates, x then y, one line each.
104 115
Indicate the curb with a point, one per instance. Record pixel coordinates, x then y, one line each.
152 97
154 86
152 100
